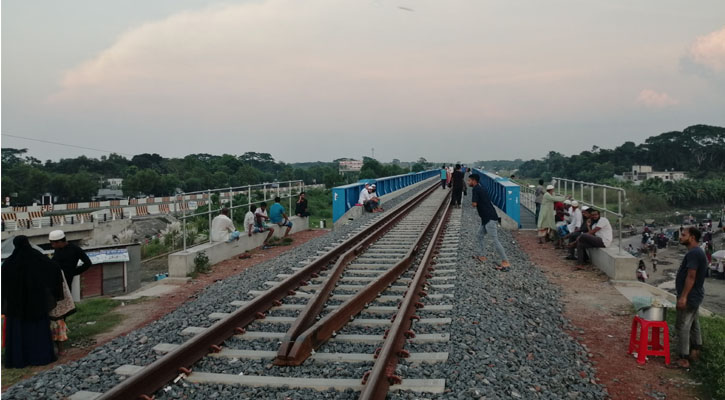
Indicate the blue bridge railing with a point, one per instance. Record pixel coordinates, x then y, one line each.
345 197
503 193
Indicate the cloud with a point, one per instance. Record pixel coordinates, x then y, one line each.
709 51
653 99
314 62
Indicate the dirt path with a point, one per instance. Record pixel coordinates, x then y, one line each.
602 317
138 314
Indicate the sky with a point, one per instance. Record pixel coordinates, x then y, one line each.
323 79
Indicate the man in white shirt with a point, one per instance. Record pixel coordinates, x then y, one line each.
575 215
600 235
222 228
369 199
260 222
250 225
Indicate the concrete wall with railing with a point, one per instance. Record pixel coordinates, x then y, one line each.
504 195
181 263
346 197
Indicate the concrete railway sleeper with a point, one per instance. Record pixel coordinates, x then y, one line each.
321 321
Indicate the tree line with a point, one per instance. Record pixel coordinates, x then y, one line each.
698 150
25 179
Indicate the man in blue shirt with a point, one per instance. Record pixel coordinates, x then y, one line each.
489 221
277 215
444 176
690 288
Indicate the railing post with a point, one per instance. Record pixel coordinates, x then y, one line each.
231 203
289 193
183 218
209 210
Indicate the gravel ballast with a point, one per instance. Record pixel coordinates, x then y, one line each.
507 337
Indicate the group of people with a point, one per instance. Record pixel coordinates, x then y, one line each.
369 198
36 299
453 178
570 225
257 220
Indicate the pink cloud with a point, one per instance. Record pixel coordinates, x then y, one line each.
709 51
653 99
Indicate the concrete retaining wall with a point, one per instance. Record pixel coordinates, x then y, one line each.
355 212
620 267
182 263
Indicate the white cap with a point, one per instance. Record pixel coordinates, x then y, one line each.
549 187
585 208
575 203
373 185
567 201
56 235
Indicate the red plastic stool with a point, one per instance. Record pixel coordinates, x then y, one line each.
642 343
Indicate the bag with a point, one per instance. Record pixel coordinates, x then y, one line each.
63 307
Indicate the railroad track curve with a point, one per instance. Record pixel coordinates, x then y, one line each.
360 302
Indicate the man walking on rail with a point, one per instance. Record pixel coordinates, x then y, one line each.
690 293
489 221
444 177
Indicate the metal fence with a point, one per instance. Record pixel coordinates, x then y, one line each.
607 199
285 190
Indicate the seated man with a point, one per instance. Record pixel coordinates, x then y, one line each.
222 228
278 216
301 206
369 199
599 236
260 222
250 224
583 228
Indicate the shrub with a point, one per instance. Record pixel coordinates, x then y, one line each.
201 263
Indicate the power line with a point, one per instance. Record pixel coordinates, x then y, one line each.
65 144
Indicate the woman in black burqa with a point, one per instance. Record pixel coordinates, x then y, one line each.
31 286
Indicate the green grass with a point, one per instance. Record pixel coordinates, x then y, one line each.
98 311
12 376
710 370
92 317
319 203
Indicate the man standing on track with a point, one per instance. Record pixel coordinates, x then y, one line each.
458 186
444 177
690 293
489 221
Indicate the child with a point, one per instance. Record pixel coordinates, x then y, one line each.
641 272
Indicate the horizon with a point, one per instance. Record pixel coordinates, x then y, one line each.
129 156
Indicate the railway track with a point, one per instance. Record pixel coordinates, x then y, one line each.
356 307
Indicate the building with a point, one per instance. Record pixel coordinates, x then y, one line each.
114 183
640 173
350 166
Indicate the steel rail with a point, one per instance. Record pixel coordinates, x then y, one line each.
152 377
378 380
325 328
308 316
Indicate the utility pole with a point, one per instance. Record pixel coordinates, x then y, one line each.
373 151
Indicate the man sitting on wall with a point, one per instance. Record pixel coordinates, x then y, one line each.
278 216
369 199
222 228
599 236
260 222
